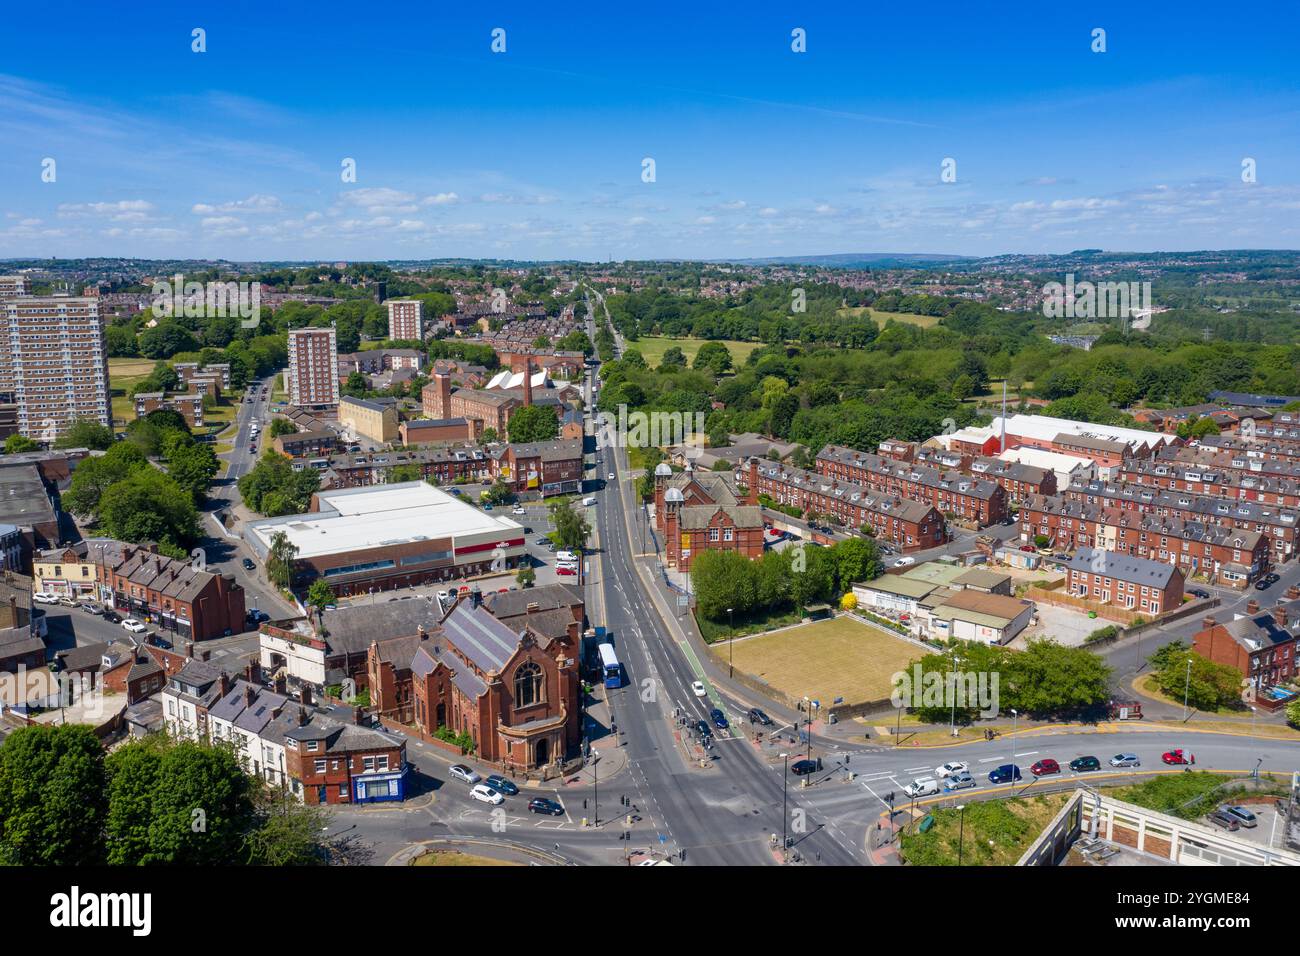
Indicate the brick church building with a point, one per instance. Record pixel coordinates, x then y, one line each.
698 511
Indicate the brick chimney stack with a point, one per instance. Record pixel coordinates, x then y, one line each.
443 381
1252 606
1279 615
250 695
528 381
1208 622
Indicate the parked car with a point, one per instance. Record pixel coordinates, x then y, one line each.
257 617
1272 577
1085 764
958 781
248 564
543 805
134 626
67 601
904 561
519 510
1125 760
111 616
464 773
922 787
501 784
45 597
1175 758
1221 818
542 542
719 719
1029 548
698 689
950 768
1263 584
1007 773
1241 815
565 570
454 491
485 794
1198 593
756 716
90 608
1045 767
801 768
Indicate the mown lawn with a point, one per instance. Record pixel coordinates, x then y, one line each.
654 347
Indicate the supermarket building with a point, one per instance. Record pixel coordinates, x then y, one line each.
390 536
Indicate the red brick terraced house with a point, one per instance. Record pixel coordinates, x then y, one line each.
1218 483
546 468
1225 555
1148 587
1018 480
909 525
974 499
171 594
1261 645
1278 525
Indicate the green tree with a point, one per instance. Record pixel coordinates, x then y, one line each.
86 433
674 358
721 580
52 796
133 776
320 595
97 474
525 576
533 423
713 357
202 807
571 528
150 506
281 426
280 557
273 488
286 833
856 560
193 465
1047 679
20 443
1206 685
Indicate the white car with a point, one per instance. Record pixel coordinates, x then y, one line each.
485 794
462 772
134 626
698 689
611 476
519 510
950 769
444 596
922 787
904 562
44 597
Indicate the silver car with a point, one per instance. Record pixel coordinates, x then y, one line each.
1125 760
958 781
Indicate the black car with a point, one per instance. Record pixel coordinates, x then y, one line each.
1272 578
502 785
703 728
719 719
543 805
1084 764
1197 592
756 716
257 617
1263 584
112 616
248 564
802 768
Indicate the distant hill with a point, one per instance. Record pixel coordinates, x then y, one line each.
853 260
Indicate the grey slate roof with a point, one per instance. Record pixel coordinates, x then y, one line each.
1122 567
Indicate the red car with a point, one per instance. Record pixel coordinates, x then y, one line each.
1176 757
1045 766
1028 547
565 571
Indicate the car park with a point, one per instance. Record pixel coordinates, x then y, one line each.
134 626
501 784
485 794
463 773
1007 773
1125 760
1241 815
1175 758
922 787
698 689
719 719
1221 818
543 805
801 768
950 768
1085 764
958 781
1045 767
756 716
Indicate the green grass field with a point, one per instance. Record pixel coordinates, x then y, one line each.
654 347
836 658
912 318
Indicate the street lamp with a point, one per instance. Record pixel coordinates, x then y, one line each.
731 641
952 690
785 789
1187 683
961 832
1015 722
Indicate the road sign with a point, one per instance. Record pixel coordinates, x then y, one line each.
683 600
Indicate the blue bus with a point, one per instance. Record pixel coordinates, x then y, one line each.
610 666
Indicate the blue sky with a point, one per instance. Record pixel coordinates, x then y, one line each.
537 152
